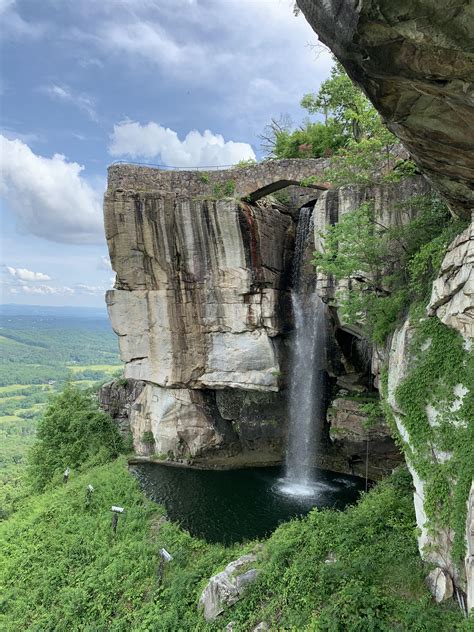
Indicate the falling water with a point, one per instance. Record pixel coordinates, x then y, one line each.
306 385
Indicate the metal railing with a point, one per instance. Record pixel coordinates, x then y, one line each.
173 168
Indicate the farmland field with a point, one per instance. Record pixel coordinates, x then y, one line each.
40 350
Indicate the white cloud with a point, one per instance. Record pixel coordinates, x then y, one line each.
49 196
64 94
104 263
90 290
6 4
27 275
132 139
42 289
149 41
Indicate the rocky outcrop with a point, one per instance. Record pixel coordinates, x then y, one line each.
118 398
227 587
452 297
363 440
414 61
202 309
388 209
200 289
201 306
435 539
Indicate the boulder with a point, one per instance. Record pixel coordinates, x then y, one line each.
440 585
227 587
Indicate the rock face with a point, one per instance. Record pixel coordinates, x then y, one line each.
201 306
452 297
387 200
227 587
118 398
435 541
202 309
414 61
200 289
353 438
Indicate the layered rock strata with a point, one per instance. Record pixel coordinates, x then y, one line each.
201 307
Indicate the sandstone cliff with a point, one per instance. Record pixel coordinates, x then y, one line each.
202 311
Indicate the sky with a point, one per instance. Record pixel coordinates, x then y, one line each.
84 83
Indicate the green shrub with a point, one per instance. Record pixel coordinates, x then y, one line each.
390 268
243 164
73 431
148 437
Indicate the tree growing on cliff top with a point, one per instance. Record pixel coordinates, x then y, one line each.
352 134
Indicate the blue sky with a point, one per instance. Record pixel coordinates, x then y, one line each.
86 82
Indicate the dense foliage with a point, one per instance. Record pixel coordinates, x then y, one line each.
63 569
360 147
390 268
72 431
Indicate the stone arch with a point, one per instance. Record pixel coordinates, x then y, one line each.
249 183
272 187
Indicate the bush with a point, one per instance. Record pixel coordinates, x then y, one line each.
390 268
73 431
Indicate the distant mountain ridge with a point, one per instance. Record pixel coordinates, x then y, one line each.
66 311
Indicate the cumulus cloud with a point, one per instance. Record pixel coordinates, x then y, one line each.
27 275
42 289
90 290
64 94
130 138
49 196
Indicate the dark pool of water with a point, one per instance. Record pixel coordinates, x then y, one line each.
235 505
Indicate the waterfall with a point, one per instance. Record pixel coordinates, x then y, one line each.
306 393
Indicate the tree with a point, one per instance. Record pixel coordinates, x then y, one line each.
361 149
389 268
341 101
72 431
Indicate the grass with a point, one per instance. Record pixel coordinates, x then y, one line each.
105 368
63 569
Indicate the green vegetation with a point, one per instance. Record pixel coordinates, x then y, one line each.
243 164
390 268
361 149
72 432
64 569
148 437
440 363
40 352
205 177
224 190
391 272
